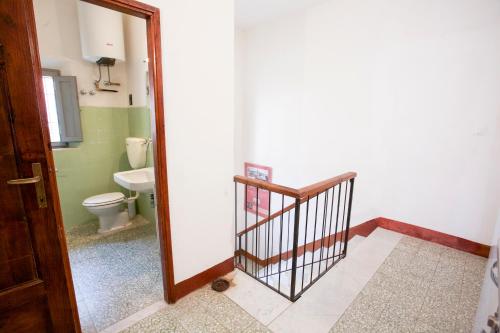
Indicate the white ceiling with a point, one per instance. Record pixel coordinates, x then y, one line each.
251 12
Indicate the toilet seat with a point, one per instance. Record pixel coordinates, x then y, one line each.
104 199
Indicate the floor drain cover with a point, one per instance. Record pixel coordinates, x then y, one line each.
220 285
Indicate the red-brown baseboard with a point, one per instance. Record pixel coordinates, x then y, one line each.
199 280
365 229
435 237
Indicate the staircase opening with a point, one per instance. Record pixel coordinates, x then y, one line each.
292 248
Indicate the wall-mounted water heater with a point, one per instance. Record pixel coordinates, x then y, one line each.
101 32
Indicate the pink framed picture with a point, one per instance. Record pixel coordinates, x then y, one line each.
260 172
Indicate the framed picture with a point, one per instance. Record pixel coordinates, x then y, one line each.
258 204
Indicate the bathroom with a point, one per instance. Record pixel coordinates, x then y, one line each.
96 85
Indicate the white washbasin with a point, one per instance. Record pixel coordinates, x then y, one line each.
139 180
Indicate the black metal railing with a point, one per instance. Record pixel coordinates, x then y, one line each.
290 249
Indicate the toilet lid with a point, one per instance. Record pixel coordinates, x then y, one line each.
104 199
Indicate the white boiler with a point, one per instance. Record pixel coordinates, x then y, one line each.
101 32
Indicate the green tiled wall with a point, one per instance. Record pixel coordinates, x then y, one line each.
87 168
139 119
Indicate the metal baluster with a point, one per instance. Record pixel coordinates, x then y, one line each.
305 243
288 240
349 213
236 226
281 240
267 243
314 241
246 226
337 222
258 234
323 229
294 248
330 227
272 238
343 217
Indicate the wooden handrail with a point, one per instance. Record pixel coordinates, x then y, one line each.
267 219
291 192
312 190
270 218
304 192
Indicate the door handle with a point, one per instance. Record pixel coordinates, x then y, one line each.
24 181
37 179
494 278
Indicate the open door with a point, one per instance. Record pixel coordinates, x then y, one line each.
36 291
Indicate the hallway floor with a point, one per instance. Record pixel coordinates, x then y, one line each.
115 275
419 287
201 311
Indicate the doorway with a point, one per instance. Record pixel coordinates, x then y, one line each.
37 292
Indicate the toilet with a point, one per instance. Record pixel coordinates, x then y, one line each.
109 207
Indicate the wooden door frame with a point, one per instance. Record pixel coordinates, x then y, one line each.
152 17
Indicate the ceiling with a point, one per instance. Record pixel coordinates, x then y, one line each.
249 13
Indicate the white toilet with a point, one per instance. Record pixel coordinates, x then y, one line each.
108 207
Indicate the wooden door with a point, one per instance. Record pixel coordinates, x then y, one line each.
36 290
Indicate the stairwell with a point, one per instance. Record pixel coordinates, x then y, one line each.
311 266
318 309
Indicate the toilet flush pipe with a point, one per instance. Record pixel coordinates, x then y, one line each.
131 204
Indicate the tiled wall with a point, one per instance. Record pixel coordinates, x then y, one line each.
87 168
140 126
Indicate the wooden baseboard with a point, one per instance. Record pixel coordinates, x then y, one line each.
455 242
365 229
199 280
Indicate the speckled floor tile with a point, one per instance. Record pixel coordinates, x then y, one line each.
204 310
228 314
454 257
475 264
346 325
423 287
430 251
410 244
201 321
256 327
162 321
422 268
396 263
115 275
362 314
424 328
391 321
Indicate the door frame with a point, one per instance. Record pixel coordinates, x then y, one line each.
153 30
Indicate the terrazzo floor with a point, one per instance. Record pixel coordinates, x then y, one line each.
420 287
201 311
115 275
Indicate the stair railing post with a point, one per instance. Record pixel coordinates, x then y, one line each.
236 252
348 216
295 248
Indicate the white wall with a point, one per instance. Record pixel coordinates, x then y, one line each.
405 93
197 44
59 42
136 47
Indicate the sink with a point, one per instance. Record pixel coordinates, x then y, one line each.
139 180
